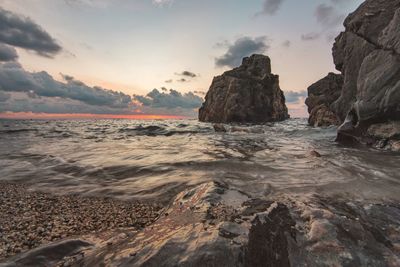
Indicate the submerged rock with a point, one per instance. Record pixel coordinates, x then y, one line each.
218 127
368 55
321 95
247 94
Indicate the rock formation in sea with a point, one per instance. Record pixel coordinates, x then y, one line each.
321 95
247 94
368 55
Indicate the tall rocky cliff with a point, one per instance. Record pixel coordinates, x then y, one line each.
367 54
247 94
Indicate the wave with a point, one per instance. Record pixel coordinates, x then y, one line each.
12 131
153 131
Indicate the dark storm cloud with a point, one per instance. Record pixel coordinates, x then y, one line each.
294 97
22 32
171 100
271 7
13 78
310 36
242 47
7 53
187 74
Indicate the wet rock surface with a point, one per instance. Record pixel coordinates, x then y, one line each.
321 95
212 225
367 54
247 94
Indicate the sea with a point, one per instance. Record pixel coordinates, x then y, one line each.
153 160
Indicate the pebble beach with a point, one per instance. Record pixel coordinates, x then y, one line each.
29 218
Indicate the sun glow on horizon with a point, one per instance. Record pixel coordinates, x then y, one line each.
31 115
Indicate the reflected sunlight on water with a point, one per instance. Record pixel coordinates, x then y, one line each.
156 159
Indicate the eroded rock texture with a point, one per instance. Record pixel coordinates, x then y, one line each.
321 95
213 225
247 94
368 55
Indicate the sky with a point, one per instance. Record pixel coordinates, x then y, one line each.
150 57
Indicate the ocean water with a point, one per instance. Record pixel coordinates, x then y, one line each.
154 160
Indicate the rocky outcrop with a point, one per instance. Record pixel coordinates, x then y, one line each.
321 95
213 225
368 55
247 94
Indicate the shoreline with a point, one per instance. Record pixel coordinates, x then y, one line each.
29 219
212 224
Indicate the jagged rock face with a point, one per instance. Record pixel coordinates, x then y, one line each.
321 95
368 55
247 94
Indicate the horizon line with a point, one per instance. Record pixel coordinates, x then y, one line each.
42 115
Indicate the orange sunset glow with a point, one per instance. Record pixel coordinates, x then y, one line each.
30 115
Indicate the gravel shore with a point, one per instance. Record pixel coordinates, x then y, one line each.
29 219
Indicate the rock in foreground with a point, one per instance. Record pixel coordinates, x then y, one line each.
247 94
321 95
212 225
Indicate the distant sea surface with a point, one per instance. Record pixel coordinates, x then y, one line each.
154 160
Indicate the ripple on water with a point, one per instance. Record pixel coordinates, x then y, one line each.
147 159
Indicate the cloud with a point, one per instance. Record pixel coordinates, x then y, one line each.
310 36
242 47
104 4
22 32
294 97
171 100
183 80
199 92
162 2
4 96
187 74
90 3
341 2
327 16
7 53
286 44
13 78
271 7
22 102
169 81
329 19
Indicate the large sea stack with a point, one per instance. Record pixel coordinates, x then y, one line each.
368 55
247 94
